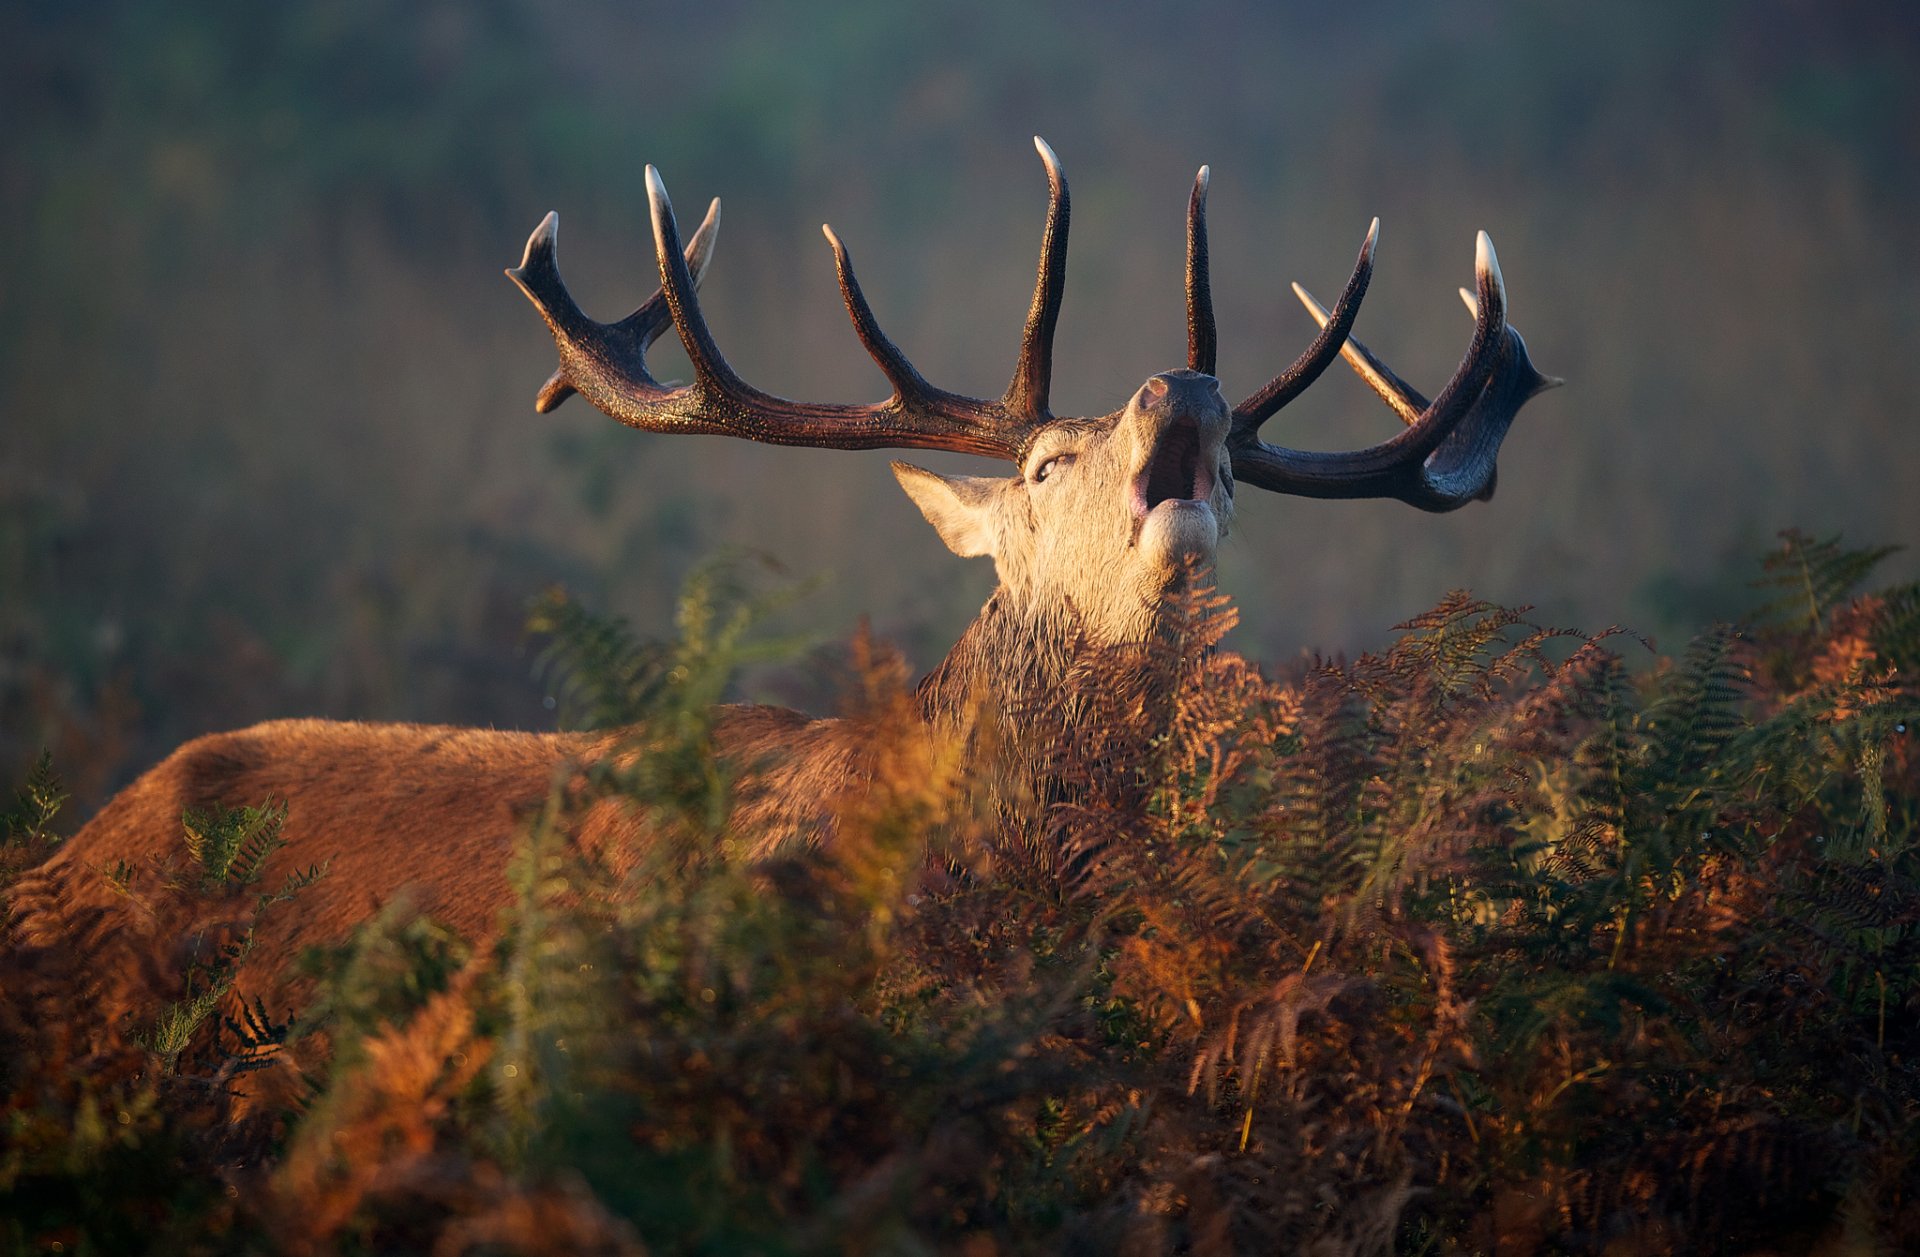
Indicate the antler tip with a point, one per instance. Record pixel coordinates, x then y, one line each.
656 189
1373 234
1485 260
536 258
1473 303
556 390
1048 159
1202 180
1487 277
542 239
666 232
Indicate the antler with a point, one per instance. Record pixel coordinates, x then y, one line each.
1445 458
1203 344
606 363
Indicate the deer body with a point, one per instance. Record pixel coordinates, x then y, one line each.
428 813
1105 518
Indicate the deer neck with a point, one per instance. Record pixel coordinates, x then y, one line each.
1016 664
1011 657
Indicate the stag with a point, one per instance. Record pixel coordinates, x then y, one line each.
1103 521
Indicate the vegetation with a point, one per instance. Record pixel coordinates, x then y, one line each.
1493 940
268 446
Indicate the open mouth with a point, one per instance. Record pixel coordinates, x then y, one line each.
1174 471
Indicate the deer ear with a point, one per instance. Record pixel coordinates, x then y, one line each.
960 508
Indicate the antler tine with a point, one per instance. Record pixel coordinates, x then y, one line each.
606 363
1026 396
1319 355
1407 401
1202 341
631 336
911 390
906 379
676 285
538 276
1537 383
1466 458
623 344
1446 455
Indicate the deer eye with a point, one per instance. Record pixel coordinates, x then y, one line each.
1050 466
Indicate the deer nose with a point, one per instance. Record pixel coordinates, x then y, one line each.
1187 394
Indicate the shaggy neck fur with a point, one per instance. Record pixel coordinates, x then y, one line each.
1010 658
1019 688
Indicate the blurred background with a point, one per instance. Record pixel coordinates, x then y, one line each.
267 444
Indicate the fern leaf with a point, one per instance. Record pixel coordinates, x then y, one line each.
1812 576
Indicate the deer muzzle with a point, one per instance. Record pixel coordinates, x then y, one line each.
1179 421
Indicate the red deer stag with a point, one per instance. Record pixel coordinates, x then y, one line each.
1103 519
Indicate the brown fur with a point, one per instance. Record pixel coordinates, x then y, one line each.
427 812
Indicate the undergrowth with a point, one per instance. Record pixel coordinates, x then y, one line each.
1503 939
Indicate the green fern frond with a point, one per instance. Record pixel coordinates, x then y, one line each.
665 694
29 819
1896 629
598 672
1812 576
296 881
387 970
174 1029
1703 708
231 845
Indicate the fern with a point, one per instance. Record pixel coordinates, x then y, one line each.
601 676
258 1038
1704 708
28 821
1483 940
119 877
231 845
181 1020
389 969
1896 629
296 881
664 695
1811 577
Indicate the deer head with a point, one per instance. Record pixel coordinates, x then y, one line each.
1107 514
